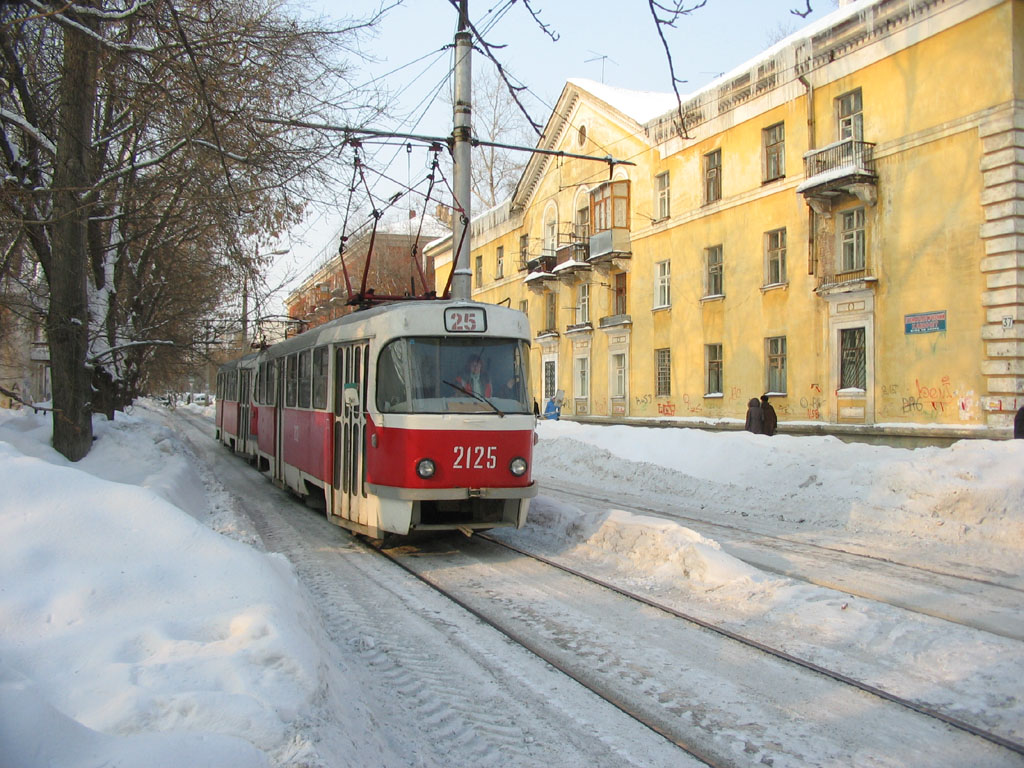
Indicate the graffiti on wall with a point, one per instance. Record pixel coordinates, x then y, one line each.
928 399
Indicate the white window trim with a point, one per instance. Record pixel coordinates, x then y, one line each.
662 281
578 392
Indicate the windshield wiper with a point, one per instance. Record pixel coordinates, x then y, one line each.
481 398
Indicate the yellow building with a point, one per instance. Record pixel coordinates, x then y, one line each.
839 223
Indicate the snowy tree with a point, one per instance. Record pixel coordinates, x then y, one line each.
149 147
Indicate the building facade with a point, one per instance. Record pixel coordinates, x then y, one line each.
838 223
397 267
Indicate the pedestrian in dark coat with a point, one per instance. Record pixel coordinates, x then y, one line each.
755 418
771 421
1018 424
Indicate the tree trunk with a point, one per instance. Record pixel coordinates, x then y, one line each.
67 323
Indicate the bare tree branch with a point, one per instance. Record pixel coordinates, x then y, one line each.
672 13
804 13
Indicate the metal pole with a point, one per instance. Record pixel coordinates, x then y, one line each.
462 284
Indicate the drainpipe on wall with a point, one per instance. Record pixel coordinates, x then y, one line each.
811 144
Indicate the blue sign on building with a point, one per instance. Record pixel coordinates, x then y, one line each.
925 322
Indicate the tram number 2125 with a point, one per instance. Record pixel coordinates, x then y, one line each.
475 457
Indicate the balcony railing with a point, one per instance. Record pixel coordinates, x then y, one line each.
831 278
838 166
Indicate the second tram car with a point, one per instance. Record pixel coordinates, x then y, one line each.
409 416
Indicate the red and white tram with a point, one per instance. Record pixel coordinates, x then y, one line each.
410 416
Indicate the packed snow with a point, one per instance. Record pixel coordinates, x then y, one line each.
141 622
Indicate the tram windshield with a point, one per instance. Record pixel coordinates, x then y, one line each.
443 374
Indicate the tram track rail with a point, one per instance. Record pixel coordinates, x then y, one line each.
971 609
692 748
782 539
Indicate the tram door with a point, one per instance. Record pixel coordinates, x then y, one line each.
351 365
244 394
276 370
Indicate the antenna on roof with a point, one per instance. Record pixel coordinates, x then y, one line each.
602 58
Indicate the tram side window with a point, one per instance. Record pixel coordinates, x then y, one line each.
320 359
392 390
305 379
292 382
272 383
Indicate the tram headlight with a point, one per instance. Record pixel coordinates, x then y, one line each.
425 468
518 466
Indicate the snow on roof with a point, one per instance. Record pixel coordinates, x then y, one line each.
638 105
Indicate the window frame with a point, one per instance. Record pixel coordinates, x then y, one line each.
714 281
478 270
775 254
852 240
663 195
713 176
663 284
714 370
621 294
617 382
551 311
775 360
499 263
850 115
583 303
773 148
320 376
609 206
581 377
305 379
853 359
663 372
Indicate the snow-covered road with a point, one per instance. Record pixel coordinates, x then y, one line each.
729 704
163 604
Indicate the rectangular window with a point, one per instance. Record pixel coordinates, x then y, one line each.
618 382
305 379
582 230
582 377
713 369
320 359
550 379
775 256
499 265
478 272
583 303
662 372
662 185
550 311
620 294
850 117
775 363
853 371
663 284
853 248
713 176
272 382
524 307
773 140
713 271
291 381
524 250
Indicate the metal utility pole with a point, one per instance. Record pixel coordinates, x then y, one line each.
461 145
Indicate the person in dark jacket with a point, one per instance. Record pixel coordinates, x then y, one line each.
1018 424
771 421
755 418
